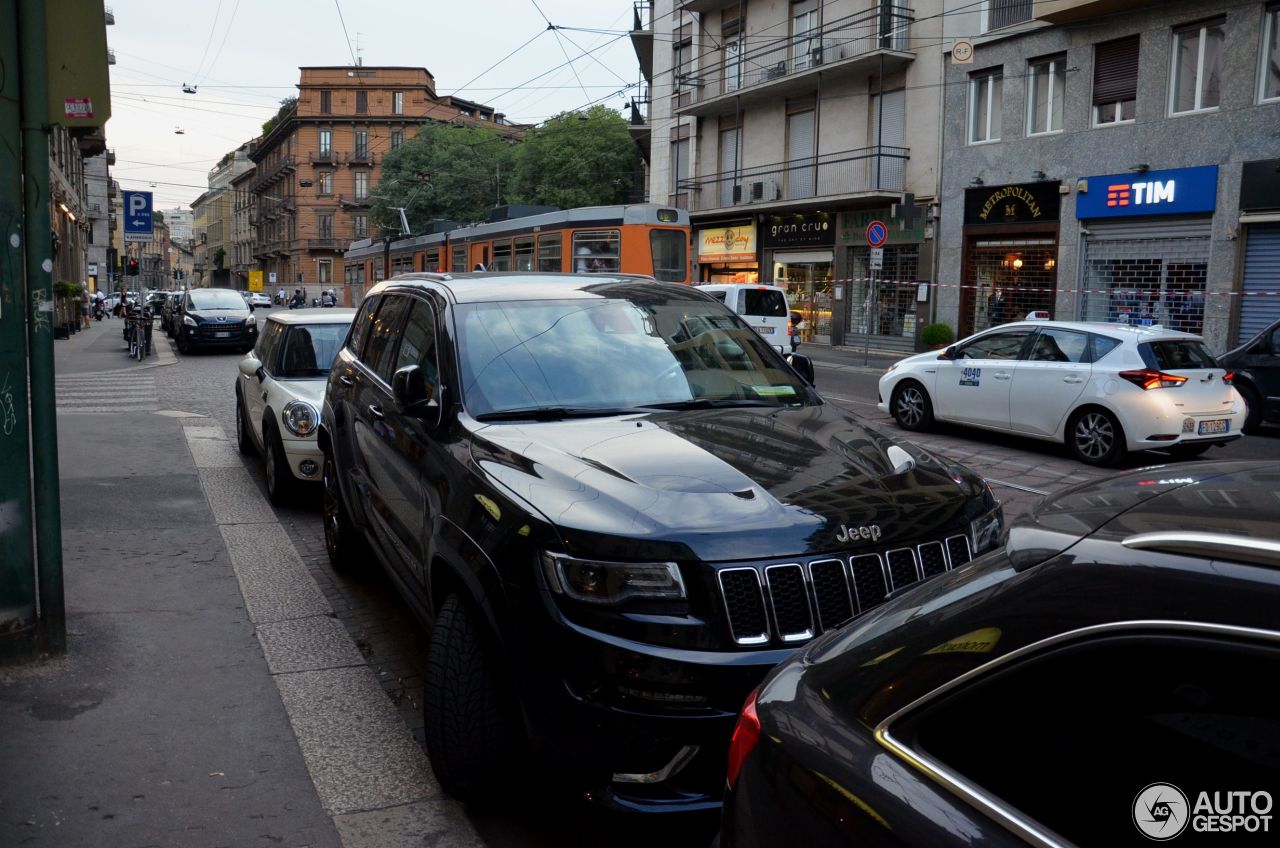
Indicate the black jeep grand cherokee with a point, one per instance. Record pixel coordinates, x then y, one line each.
616 507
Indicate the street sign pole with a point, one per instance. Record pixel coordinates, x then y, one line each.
877 236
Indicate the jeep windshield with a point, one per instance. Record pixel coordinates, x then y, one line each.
619 349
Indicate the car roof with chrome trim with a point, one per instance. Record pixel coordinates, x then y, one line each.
491 286
313 316
1117 331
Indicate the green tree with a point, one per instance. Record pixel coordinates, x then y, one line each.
445 171
219 256
287 105
577 159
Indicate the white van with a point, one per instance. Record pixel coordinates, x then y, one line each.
763 307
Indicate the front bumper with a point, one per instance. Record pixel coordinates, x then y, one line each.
304 457
211 335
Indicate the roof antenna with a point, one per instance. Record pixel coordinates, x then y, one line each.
359 51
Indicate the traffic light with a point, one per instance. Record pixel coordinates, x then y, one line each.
132 268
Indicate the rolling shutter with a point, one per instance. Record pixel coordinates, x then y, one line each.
1261 273
1115 71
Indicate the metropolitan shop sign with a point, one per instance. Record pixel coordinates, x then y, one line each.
1020 203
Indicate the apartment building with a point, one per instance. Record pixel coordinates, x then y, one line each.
1113 161
317 167
180 223
97 207
244 205
786 128
213 220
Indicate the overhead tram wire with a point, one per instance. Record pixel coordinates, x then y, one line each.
212 29
354 61
230 22
467 85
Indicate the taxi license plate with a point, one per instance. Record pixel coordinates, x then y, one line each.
1214 427
765 331
226 335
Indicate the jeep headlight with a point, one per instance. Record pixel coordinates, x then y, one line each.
299 418
985 531
598 582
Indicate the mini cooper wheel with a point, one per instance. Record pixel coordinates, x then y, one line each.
1094 437
342 540
244 442
280 482
469 715
911 406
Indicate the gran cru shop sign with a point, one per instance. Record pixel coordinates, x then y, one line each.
798 231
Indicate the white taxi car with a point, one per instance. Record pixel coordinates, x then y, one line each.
280 391
1102 389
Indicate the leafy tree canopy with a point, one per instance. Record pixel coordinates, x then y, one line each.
576 159
287 105
445 171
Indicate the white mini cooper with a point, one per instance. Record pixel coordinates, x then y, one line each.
280 391
1101 389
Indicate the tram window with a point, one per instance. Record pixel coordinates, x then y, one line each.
670 261
524 253
501 255
431 261
459 260
549 259
597 250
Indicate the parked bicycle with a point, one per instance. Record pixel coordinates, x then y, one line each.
137 332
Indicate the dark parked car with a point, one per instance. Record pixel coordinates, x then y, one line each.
215 318
1257 367
1081 686
612 525
170 313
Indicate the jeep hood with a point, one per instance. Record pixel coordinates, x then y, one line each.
727 484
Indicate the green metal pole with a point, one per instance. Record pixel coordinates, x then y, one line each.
44 421
17 566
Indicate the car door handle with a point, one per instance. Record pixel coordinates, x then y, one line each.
375 412
1073 379
345 380
1002 375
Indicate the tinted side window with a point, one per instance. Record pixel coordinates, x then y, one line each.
418 342
360 327
766 303
380 347
995 346
268 344
1054 345
1102 345
1180 708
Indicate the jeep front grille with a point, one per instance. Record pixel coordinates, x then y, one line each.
794 601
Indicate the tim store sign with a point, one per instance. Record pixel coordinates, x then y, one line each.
1177 191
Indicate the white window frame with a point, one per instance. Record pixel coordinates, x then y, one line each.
1056 65
1202 31
986 78
397 102
360 185
1268 14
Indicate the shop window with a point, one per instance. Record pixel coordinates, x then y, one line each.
1269 79
1126 288
1115 81
1196 81
501 255
524 253
1046 95
986 103
549 258
1007 279
597 251
886 306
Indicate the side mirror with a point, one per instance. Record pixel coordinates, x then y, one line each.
949 353
251 366
251 307
802 365
410 390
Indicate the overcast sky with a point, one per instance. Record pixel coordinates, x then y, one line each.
243 57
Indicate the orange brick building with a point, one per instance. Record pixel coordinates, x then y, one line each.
317 168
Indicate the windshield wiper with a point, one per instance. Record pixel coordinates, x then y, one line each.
713 403
552 413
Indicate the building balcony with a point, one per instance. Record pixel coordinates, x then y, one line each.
356 203
111 157
271 173
703 5
642 36
1071 11
359 157
852 45
328 244
111 56
322 157
638 124
864 173
109 14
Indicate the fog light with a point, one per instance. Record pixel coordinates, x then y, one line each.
308 467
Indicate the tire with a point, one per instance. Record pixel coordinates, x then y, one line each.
1191 451
343 541
244 440
469 719
911 407
1253 407
184 346
1095 437
280 482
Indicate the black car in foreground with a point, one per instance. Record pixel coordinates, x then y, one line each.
1256 364
616 507
1104 679
214 318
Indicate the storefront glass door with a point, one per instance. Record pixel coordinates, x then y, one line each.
807 280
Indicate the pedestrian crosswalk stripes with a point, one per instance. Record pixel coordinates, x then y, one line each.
113 392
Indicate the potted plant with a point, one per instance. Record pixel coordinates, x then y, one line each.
66 308
937 336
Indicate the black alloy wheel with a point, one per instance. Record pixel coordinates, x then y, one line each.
1094 437
342 540
244 441
280 483
911 407
473 737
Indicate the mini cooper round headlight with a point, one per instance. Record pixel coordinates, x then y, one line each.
299 418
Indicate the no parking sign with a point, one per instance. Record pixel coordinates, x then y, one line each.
877 234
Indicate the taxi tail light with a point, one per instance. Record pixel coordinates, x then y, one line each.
1228 377
746 733
1149 379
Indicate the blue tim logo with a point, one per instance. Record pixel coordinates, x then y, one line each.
1160 811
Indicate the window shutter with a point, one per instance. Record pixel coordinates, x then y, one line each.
1115 71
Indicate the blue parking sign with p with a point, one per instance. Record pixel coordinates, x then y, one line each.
137 216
